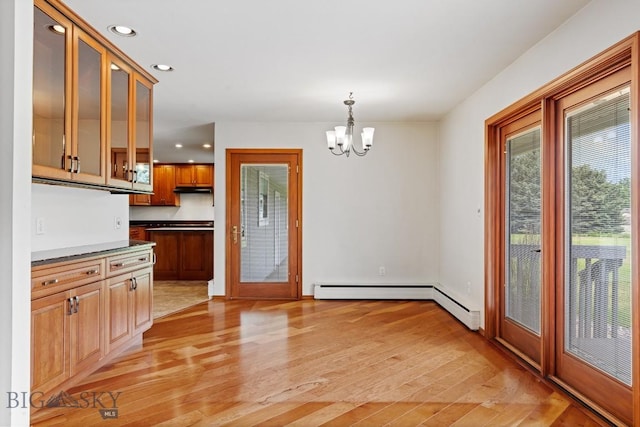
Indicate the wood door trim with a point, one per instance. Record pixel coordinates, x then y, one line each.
634 117
230 152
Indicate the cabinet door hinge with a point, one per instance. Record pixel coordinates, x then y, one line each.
297 169
296 278
297 225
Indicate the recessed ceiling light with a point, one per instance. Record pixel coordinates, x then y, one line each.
57 28
178 145
162 67
121 30
190 160
206 145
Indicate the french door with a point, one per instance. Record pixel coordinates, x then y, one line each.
560 237
263 224
521 293
593 245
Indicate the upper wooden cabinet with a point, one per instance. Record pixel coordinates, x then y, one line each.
164 182
194 175
92 106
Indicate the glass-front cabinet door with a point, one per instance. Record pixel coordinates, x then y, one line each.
51 145
88 109
141 158
118 120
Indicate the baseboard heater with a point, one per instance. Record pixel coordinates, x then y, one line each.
433 292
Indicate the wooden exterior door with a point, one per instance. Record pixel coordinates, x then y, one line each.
593 245
585 204
264 210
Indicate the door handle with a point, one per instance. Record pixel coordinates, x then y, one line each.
234 231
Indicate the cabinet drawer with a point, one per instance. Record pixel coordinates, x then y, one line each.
47 280
128 262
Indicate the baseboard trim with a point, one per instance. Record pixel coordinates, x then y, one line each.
413 291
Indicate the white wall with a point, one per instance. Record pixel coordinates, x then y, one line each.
76 217
597 26
358 213
193 207
15 178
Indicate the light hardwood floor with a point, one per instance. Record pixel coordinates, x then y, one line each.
311 363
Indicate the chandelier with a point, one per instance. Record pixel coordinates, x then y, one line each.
342 136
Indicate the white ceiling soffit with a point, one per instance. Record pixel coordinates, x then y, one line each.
293 60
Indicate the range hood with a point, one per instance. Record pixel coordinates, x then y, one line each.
193 190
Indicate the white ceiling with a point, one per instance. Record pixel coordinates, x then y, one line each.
297 60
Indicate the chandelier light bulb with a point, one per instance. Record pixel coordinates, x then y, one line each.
331 139
340 133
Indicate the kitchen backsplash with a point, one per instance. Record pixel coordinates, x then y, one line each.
192 207
63 217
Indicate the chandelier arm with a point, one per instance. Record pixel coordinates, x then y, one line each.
359 153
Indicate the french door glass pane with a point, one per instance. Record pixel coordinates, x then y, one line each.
598 261
522 290
264 234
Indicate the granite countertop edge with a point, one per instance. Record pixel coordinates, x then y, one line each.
180 229
53 256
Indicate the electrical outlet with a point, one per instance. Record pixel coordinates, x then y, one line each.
39 225
468 287
117 222
382 271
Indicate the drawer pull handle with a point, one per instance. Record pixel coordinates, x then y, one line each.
119 264
50 282
143 259
91 272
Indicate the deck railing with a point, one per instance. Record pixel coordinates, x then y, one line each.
594 288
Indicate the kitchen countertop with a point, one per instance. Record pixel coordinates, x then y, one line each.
77 252
151 223
180 229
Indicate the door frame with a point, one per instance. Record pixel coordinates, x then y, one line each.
295 213
623 54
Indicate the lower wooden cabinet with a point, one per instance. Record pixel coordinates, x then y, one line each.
196 255
183 255
137 233
77 326
168 253
129 302
66 334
